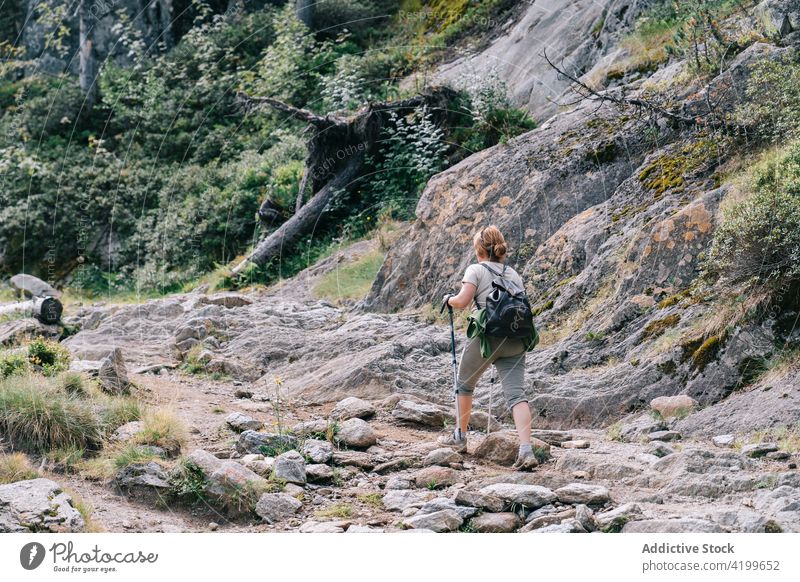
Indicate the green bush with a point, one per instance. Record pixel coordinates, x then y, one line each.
12 364
758 241
35 416
48 356
772 106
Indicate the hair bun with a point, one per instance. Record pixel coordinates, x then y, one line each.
500 250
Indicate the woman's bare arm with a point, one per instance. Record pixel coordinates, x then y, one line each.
464 297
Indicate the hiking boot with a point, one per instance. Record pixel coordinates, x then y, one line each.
457 444
525 462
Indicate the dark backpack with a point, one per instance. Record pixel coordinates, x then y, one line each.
508 312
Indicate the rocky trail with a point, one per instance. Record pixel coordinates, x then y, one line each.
276 415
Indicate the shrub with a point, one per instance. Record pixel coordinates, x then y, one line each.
772 105
162 429
34 416
71 383
48 356
119 410
15 467
12 364
758 241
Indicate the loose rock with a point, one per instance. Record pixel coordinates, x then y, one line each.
759 450
435 477
352 407
531 496
407 411
37 505
318 451
273 507
356 433
113 374
438 521
241 422
480 500
442 457
584 493
291 467
495 522
669 406
266 443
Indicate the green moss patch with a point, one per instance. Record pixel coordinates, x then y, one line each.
659 326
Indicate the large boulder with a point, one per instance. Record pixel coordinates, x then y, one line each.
583 493
356 433
502 448
148 482
669 406
254 442
31 286
438 521
407 411
352 407
228 483
290 467
273 507
37 505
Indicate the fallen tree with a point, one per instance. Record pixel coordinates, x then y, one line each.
338 148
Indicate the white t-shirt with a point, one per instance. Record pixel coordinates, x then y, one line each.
480 276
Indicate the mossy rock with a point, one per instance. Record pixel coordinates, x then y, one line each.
707 352
659 326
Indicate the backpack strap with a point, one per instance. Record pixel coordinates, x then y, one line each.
492 271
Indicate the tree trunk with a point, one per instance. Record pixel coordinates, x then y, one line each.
304 10
337 149
46 309
87 74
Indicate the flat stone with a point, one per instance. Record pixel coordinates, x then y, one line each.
435 477
568 526
616 518
308 427
402 499
506 522
358 459
778 455
356 433
355 528
147 482
548 519
319 473
399 482
241 422
441 503
444 456
759 450
530 496
318 451
664 435
480 500
291 467
584 493
127 431
321 527
352 407
274 507
410 412
579 444
724 440
438 521
37 505
266 443
682 525
551 437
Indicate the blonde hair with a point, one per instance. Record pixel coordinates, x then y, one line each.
490 242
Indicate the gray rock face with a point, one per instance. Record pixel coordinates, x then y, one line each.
291 467
113 374
37 505
352 407
318 451
274 507
254 442
759 449
356 433
416 413
241 422
531 496
438 521
581 33
147 482
682 525
584 493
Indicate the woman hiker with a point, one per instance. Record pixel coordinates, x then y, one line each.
507 354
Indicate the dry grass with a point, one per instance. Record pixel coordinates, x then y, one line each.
162 429
16 467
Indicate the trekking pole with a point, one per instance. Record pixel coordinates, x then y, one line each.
455 363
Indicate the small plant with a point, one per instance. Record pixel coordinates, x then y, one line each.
85 509
12 364
188 483
193 362
162 429
120 410
131 454
65 460
614 432
71 383
373 499
48 356
593 336
15 467
35 416
337 510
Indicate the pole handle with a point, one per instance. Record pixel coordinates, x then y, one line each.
446 304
